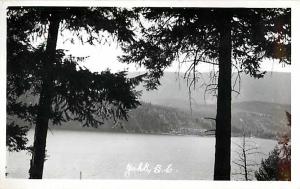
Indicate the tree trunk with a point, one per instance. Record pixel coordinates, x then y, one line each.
46 95
223 118
245 157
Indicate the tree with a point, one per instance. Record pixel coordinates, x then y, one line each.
268 169
245 151
278 165
223 37
65 90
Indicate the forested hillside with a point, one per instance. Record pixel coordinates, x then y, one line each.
259 119
168 111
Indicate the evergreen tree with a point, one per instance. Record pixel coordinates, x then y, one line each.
65 91
278 165
224 37
269 167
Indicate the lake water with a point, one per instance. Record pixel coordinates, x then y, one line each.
99 155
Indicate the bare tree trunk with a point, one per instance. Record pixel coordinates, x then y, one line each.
245 156
44 110
223 118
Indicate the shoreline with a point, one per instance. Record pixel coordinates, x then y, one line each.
118 131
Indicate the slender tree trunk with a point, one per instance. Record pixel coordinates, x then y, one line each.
245 157
223 118
44 110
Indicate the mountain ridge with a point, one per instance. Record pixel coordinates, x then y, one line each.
275 87
169 111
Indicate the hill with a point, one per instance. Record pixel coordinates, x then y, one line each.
260 108
275 87
259 119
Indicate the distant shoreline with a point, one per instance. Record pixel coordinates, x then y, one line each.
99 130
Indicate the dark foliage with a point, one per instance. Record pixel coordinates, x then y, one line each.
269 167
16 137
74 92
278 165
190 36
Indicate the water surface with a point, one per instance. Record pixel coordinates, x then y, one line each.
99 155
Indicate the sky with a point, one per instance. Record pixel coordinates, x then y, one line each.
102 57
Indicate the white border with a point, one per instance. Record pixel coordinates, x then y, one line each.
62 183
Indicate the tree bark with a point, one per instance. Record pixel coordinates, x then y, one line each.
46 95
223 118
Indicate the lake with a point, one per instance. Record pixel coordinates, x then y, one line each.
100 155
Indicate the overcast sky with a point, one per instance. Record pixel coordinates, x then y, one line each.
102 57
